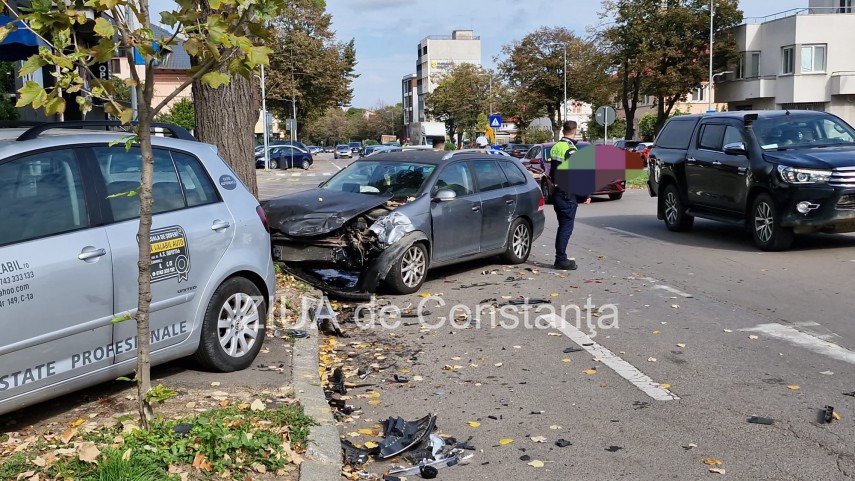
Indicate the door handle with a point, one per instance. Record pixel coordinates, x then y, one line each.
691 159
89 253
716 162
509 201
476 208
220 225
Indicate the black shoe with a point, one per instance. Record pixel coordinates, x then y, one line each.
565 265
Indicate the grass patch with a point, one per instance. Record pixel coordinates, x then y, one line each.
231 442
638 182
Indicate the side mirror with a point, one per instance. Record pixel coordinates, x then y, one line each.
445 195
535 161
735 148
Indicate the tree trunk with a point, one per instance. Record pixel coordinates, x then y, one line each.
226 117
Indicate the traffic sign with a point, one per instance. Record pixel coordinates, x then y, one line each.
605 115
495 121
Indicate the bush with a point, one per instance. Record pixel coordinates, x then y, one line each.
181 114
534 135
370 142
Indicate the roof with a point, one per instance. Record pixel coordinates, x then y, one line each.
178 59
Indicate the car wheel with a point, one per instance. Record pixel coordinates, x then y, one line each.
409 272
233 328
544 190
616 196
306 165
519 242
766 227
676 219
274 164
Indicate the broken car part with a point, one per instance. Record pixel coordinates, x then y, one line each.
827 414
400 435
354 456
453 459
761 420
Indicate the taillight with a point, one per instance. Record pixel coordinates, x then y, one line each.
263 217
541 203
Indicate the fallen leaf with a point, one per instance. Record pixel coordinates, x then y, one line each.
517 347
554 294
498 364
690 446
665 385
555 427
835 416
717 470
243 406
589 371
712 462
655 332
201 463
260 468
375 403
77 422
473 424
367 432
753 337
505 441
66 436
680 344
39 461
88 452
373 395
126 456
536 463
191 405
215 383
793 387
566 359
257 405
651 359
675 306
728 330
538 439
555 334
371 445
424 294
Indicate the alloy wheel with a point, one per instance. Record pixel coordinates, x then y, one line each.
413 266
764 222
671 204
238 325
521 241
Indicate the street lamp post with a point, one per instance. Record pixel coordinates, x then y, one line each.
564 47
712 39
264 120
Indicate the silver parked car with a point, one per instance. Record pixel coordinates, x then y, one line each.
393 216
342 151
68 261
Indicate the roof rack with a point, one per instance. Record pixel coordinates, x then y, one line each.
476 151
33 133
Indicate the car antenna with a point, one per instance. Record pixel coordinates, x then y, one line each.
787 111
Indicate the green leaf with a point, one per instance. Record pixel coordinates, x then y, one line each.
55 105
33 64
32 94
215 79
103 28
124 378
192 46
3 33
215 4
126 116
168 18
108 4
258 56
103 51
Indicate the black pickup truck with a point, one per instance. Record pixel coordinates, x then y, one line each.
777 173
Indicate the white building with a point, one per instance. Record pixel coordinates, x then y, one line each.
438 54
799 59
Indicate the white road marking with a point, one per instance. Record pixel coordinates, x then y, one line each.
807 341
633 234
610 359
327 173
311 175
296 175
670 289
334 165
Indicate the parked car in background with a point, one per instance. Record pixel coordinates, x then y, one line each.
537 162
70 216
355 146
627 144
644 150
394 216
342 151
517 150
370 149
329 149
314 149
286 157
260 148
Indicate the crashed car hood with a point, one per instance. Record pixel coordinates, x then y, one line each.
317 211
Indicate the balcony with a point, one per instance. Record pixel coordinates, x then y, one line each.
745 89
843 83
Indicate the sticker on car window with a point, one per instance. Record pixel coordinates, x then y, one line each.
170 256
228 182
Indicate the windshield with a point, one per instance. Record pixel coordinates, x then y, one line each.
802 131
393 178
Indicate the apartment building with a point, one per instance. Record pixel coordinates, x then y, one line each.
436 55
797 59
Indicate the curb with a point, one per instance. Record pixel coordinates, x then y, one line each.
323 453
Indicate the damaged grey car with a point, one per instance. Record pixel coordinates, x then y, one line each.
388 219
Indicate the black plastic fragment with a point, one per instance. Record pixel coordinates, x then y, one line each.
850 394
428 472
401 379
563 443
337 382
571 349
613 449
525 457
356 456
400 435
297 333
761 420
827 414
183 429
391 478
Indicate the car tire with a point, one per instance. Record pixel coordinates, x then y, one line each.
616 196
519 242
765 224
230 340
410 270
544 190
274 164
676 219
306 165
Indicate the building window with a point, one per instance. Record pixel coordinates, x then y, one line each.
698 94
115 67
754 65
788 60
845 6
813 58
740 66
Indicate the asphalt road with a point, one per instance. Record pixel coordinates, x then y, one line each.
709 332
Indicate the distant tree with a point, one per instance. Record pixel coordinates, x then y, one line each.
538 135
597 131
7 87
461 96
331 128
181 113
370 142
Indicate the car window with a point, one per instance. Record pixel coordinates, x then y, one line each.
123 184
532 152
489 176
398 179
731 135
676 134
456 177
41 195
711 135
513 173
198 188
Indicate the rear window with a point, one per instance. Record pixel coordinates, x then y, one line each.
676 134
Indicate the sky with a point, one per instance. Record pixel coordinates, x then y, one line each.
386 32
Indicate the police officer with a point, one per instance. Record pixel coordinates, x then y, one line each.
565 203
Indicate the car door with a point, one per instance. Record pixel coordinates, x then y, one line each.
498 202
729 173
56 296
532 157
191 231
453 235
700 159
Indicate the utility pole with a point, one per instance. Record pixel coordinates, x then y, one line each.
712 38
264 120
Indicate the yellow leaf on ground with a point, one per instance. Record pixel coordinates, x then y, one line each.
474 424
554 294
555 334
717 470
505 441
201 463
566 359
66 436
665 385
655 332
375 403
680 344
425 294
374 395
77 422
536 463
835 416
538 439
257 405
367 432
371 445
712 462
589 371
793 387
